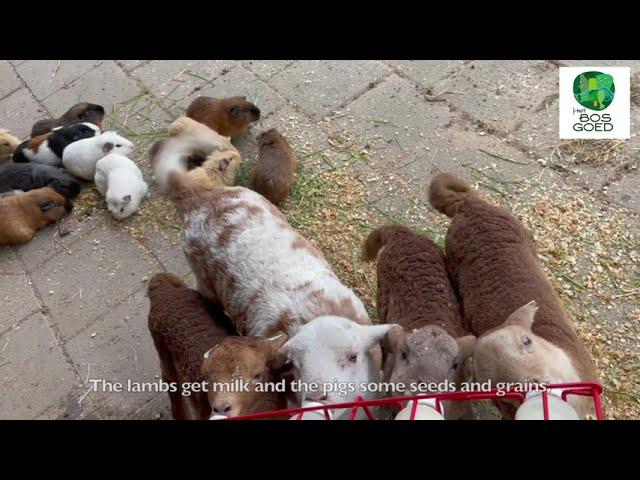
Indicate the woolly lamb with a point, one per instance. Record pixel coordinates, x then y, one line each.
271 280
195 342
507 299
414 291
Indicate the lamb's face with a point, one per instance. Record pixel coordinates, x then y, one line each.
247 361
513 353
331 354
425 356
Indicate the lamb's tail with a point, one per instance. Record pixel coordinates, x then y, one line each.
378 238
447 193
160 279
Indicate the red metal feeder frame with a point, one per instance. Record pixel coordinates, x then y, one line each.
585 389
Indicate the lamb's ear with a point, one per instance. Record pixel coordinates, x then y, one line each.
279 356
466 346
107 147
372 334
524 316
392 340
126 198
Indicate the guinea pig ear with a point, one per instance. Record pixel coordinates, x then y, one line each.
107 147
126 198
224 164
234 110
47 205
524 316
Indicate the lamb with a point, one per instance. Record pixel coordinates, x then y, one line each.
120 182
80 112
192 144
270 280
8 142
523 332
23 214
229 117
48 148
29 176
414 291
80 157
196 343
275 170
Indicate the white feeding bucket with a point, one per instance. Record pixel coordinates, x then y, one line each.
313 414
425 410
533 409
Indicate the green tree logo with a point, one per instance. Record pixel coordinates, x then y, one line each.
594 90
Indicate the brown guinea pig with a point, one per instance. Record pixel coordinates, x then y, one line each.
23 214
8 142
275 169
227 116
79 113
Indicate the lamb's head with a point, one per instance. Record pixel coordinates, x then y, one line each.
512 352
247 361
111 142
424 356
332 356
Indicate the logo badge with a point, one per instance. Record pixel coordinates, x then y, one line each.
594 102
594 90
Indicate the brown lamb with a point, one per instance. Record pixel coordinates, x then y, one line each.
196 343
229 117
507 299
414 292
24 213
275 169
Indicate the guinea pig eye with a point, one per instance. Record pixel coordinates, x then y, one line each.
257 376
353 358
118 146
526 340
47 205
122 210
455 365
404 356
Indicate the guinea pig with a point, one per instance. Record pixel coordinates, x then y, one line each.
229 117
120 182
29 176
48 148
80 157
79 113
275 169
8 142
23 214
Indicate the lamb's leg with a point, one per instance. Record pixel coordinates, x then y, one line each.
170 375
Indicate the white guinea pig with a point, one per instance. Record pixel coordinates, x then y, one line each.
120 182
80 157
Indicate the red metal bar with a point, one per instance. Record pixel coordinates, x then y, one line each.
591 389
545 405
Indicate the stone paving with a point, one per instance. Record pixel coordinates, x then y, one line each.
74 304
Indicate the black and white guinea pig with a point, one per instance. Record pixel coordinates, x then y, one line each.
29 176
48 148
